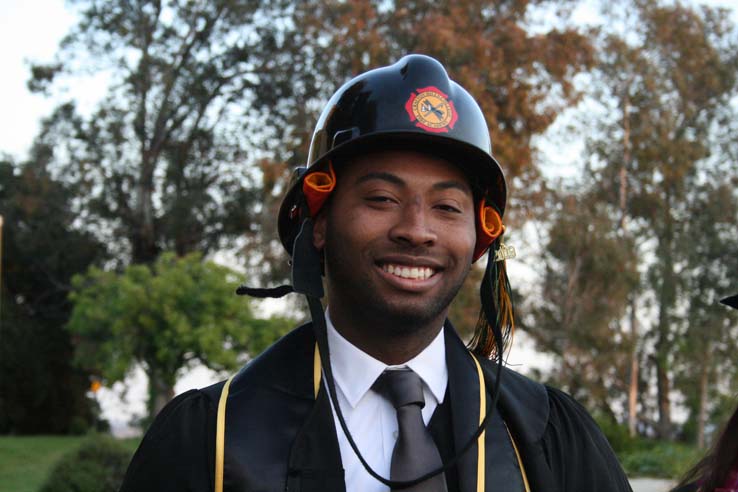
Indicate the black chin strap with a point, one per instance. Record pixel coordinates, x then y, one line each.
307 280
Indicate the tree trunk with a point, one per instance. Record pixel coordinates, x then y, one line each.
623 175
634 372
702 414
144 240
160 392
623 195
663 385
666 297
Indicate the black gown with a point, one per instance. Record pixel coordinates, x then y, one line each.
569 454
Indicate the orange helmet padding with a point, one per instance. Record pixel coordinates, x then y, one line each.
317 187
489 228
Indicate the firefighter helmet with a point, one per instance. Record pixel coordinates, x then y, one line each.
411 104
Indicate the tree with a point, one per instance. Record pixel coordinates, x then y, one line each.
710 334
590 271
668 80
164 316
40 391
521 79
161 162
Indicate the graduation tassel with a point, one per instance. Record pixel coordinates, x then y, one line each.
496 324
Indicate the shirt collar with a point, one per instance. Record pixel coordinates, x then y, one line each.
355 371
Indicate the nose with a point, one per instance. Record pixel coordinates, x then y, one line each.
413 227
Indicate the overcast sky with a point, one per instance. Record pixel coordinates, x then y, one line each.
31 30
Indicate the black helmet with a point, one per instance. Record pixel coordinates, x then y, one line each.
411 104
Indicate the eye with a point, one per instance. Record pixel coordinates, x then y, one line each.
449 208
380 199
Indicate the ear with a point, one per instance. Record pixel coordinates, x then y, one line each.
319 230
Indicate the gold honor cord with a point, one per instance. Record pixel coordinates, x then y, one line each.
317 371
220 436
317 379
482 415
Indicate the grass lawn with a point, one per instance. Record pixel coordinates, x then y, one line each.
25 461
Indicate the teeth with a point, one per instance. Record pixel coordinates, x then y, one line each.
418 273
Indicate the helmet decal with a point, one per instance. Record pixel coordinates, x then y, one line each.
431 110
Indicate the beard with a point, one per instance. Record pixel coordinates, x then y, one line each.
394 314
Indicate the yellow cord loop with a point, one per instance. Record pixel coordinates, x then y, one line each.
482 414
220 436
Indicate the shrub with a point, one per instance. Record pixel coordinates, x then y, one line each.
98 465
617 435
659 460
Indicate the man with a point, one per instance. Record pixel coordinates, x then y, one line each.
401 195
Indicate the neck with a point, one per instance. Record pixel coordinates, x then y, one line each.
393 342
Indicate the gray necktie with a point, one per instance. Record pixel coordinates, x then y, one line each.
415 453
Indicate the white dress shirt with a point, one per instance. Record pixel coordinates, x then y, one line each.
370 418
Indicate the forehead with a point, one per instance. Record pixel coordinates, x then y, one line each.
414 170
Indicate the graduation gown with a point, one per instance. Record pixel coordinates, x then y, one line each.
279 436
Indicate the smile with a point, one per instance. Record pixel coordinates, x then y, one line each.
411 272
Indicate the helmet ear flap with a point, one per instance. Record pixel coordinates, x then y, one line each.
306 264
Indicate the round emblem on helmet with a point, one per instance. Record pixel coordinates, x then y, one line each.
431 110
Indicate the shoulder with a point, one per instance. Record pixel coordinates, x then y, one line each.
281 366
557 436
194 406
524 403
577 449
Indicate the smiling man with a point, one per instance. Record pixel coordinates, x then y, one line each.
400 196
398 239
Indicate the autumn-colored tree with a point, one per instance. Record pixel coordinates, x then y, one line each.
522 79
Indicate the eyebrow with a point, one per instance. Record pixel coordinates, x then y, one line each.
396 180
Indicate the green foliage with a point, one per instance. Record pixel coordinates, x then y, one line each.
98 465
164 316
643 457
659 459
617 435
